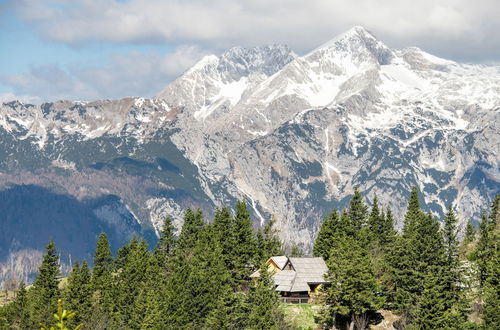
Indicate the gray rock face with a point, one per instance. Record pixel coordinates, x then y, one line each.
351 113
292 135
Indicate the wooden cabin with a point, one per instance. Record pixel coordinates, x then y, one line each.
297 279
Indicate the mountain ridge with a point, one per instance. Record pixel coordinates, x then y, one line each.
293 135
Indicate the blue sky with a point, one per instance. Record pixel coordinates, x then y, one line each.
89 49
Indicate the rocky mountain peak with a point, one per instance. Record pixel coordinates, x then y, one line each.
240 62
359 43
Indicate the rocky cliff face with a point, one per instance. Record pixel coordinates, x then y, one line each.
351 113
294 135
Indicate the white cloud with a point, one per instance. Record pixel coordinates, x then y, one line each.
132 74
462 26
7 97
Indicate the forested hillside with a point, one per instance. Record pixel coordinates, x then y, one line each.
199 279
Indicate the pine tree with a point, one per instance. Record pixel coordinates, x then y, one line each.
129 280
147 312
230 313
244 244
413 211
101 273
388 231
358 211
263 302
21 317
470 233
223 229
45 291
268 243
193 225
491 275
326 236
353 292
166 244
376 221
198 279
78 293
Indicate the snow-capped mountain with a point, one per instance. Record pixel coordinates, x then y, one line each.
351 113
294 135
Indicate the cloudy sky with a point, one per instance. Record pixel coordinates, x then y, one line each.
92 49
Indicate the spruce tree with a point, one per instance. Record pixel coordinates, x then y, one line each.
193 225
491 264
147 311
352 294
358 211
435 306
101 273
376 221
411 257
223 229
326 236
166 244
45 291
263 302
231 312
413 211
388 231
244 242
21 317
78 293
470 233
198 279
130 279
268 243
450 237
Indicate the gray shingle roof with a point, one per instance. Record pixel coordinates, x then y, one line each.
280 261
304 271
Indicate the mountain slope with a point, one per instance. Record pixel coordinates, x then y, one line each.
293 135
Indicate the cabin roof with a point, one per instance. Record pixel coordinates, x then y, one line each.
279 261
301 273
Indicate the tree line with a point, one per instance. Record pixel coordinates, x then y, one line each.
424 274
199 278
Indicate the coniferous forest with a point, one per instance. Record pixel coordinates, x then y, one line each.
199 279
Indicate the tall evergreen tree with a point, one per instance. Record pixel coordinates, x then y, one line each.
376 220
199 278
166 243
358 210
103 259
413 211
263 303
326 235
470 233
491 264
129 280
245 245
223 229
78 293
45 291
352 294
268 243
147 311
231 311
411 258
388 231
21 317
450 237
193 225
